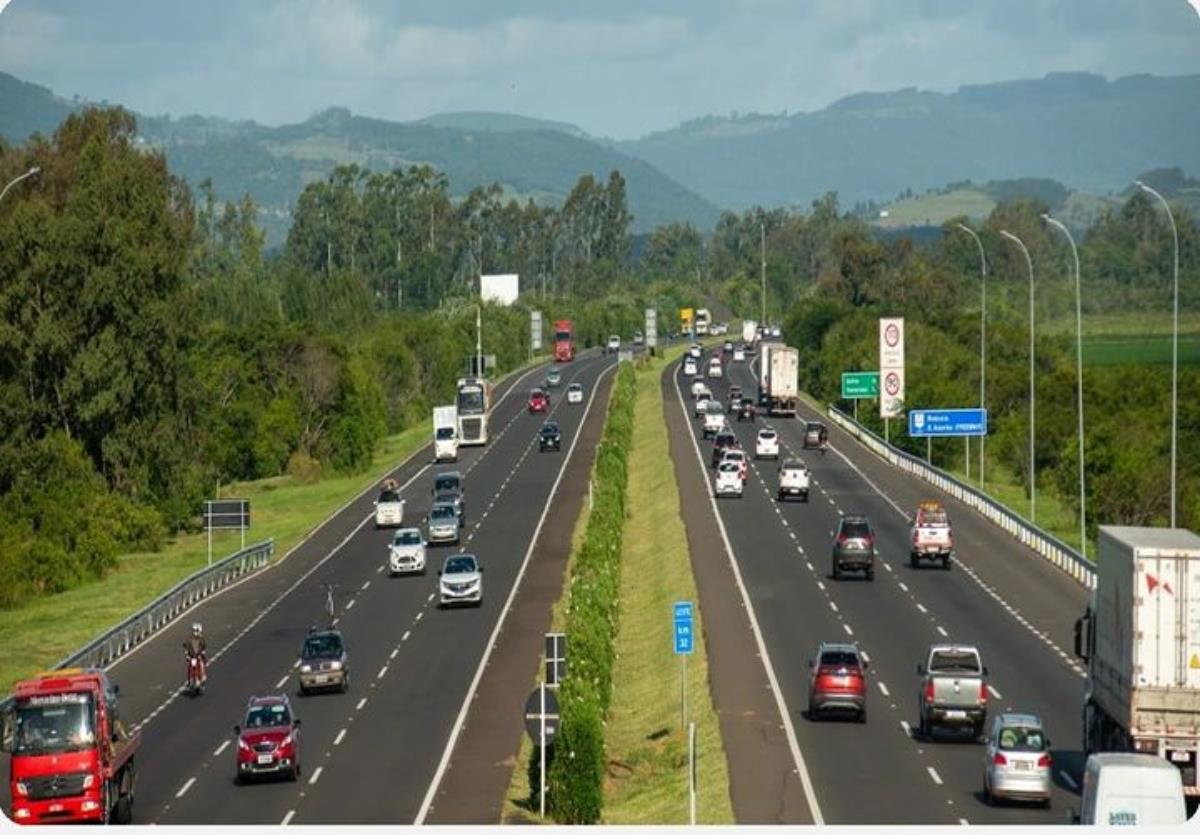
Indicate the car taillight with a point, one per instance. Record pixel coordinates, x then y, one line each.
999 759
842 539
1044 761
983 694
929 692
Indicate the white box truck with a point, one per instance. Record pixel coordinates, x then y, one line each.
445 433
749 333
1140 638
783 380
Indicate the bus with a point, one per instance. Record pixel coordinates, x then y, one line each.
564 340
703 318
474 402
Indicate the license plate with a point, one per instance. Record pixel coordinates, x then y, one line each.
264 759
1021 765
320 679
956 714
56 807
1179 756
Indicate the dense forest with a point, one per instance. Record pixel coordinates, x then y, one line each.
151 350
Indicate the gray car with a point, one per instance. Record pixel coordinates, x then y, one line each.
854 547
1017 763
324 662
460 581
442 524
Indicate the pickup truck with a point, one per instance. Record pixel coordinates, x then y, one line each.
793 480
931 538
714 418
954 689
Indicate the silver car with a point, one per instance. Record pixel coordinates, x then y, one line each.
1017 763
406 553
460 581
442 524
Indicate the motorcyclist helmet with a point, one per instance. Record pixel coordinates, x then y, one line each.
197 629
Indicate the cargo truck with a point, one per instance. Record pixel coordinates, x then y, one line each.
749 333
445 433
564 340
779 380
1140 638
72 759
703 319
474 403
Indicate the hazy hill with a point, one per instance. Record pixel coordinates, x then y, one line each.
1085 132
529 157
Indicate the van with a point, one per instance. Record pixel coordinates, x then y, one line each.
1131 789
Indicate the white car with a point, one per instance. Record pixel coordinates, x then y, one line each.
460 581
729 480
406 553
694 352
575 393
766 444
714 417
389 507
689 367
793 479
736 456
614 344
714 368
638 339
700 387
701 407
739 354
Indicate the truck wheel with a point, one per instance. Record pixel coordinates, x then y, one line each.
946 563
123 812
871 574
923 727
912 560
987 794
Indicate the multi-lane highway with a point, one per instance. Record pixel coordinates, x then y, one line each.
999 596
369 755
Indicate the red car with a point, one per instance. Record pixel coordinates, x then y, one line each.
539 401
838 682
268 740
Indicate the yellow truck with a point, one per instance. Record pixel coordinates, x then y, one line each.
686 318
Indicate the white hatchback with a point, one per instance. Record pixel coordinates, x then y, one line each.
698 387
729 480
766 445
575 393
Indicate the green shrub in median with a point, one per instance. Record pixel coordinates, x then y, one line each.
576 773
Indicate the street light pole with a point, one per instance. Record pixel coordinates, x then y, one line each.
1032 413
32 171
982 340
762 229
1174 343
1078 380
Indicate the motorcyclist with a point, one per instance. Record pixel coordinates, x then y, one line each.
195 647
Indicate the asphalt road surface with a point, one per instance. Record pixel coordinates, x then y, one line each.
1000 596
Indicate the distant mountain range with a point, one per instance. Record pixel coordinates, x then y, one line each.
1083 131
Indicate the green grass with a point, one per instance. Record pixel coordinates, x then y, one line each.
1140 350
1131 324
936 209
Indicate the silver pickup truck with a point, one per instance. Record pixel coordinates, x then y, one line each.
953 689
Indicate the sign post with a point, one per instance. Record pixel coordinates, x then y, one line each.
651 330
556 658
692 772
226 514
859 385
535 332
541 723
684 646
891 371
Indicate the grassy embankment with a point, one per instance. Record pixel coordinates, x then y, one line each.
39 634
645 745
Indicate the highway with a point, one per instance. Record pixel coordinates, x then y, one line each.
1001 597
369 755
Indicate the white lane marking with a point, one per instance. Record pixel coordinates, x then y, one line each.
933 775
225 745
964 822
350 605
316 775
186 786
907 728
419 616
887 567
487 652
995 693
902 586
849 631
392 657
342 735
367 585
379 570
820 585
281 682
942 632
1069 780
382 671
296 663
360 704
404 637
924 611
866 657
882 689
832 605
288 817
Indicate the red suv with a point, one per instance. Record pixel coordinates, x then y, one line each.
268 740
539 401
838 682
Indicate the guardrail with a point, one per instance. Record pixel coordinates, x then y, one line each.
1047 545
166 609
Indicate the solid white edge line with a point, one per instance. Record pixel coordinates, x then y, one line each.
789 729
512 593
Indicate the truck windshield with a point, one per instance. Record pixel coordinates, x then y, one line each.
445 433
55 724
934 518
562 336
952 661
470 401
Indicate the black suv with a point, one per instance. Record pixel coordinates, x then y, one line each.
723 441
549 437
854 546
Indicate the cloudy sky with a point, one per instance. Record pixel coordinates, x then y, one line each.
616 68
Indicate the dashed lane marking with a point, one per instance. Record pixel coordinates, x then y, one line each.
341 735
392 657
316 775
350 605
902 586
1069 780
191 781
221 748
360 704
933 775
404 637
906 727
995 693
883 688
849 631
382 672
923 610
288 817
942 632
281 682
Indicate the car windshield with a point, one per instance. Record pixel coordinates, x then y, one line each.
445 433
322 646
268 716
766 435
55 724
1017 738
550 429
445 483
856 530
459 565
954 661
389 497
574 387
839 658
442 511
536 393
729 467
934 517
407 538
446 498
714 407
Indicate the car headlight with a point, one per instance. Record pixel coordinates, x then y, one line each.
335 665
89 781
242 744
306 668
22 788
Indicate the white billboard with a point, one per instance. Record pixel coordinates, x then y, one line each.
502 289
535 329
891 367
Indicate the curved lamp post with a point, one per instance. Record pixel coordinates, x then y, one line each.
1032 460
982 341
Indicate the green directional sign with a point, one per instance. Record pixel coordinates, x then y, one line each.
860 384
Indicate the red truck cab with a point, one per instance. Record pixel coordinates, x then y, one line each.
564 340
72 760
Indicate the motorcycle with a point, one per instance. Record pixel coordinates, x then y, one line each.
195 676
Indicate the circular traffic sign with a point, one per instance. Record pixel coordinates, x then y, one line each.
891 383
891 335
533 715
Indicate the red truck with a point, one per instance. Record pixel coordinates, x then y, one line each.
564 340
72 759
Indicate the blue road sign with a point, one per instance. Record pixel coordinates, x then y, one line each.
946 423
684 638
